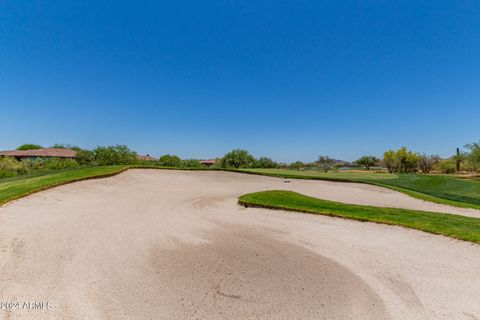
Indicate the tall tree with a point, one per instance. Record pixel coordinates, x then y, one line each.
325 162
237 158
367 161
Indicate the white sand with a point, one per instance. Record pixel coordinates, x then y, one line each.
152 244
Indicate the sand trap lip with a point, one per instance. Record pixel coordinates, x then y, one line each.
174 244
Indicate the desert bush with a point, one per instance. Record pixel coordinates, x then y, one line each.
264 162
168 160
9 166
469 166
297 165
367 161
426 163
325 162
401 161
33 164
85 157
59 163
112 155
191 163
5 174
237 158
473 158
447 166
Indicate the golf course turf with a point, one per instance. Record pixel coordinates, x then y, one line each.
455 226
442 189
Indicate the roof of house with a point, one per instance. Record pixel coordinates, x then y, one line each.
208 161
146 157
44 152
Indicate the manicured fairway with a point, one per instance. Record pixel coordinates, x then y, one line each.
436 188
455 226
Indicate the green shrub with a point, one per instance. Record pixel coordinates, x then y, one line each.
191 163
367 161
168 160
401 161
58 163
470 166
118 154
297 165
9 166
237 158
34 164
447 166
85 157
264 162
5 173
473 157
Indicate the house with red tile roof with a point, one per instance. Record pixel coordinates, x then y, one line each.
40 153
208 162
146 157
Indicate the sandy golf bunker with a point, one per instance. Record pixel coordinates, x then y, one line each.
175 243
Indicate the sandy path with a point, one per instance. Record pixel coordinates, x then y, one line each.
152 244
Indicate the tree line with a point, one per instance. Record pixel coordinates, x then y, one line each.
401 160
404 160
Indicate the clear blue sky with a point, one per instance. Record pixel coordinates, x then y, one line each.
285 79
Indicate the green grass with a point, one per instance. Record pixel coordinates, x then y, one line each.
20 186
436 188
455 226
